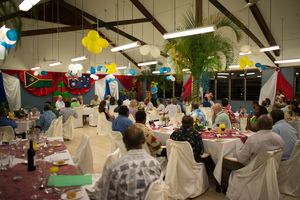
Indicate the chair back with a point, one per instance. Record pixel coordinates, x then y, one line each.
116 140
103 125
158 190
181 159
208 114
188 109
258 179
112 108
93 117
83 158
6 132
78 121
58 132
178 117
288 173
51 130
68 128
131 118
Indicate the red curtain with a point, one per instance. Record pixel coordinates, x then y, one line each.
188 86
128 83
10 72
287 89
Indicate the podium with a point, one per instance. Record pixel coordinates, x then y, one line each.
148 95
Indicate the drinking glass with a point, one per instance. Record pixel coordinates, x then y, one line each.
35 184
18 140
4 160
41 166
12 156
234 126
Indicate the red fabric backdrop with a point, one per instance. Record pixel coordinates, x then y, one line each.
287 89
128 83
188 86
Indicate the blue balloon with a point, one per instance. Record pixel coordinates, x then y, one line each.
109 80
71 74
132 72
257 65
7 46
112 79
165 69
44 73
168 78
263 67
93 70
168 69
161 70
99 68
12 35
106 70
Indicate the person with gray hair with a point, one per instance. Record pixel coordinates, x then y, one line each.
220 116
130 176
46 118
263 140
171 109
60 104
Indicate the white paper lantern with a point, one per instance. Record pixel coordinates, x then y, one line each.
144 50
245 48
255 51
154 51
222 59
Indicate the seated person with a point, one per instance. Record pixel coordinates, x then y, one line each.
130 176
102 108
127 101
95 101
225 109
196 113
120 103
252 120
133 107
74 103
269 106
67 112
263 140
122 121
220 117
112 101
287 103
148 104
294 109
174 102
6 122
53 109
279 94
59 103
206 103
160 104
107 98
179 102
254 104
80 100
46 118
171 109
288 133
153 144
34 111
209 98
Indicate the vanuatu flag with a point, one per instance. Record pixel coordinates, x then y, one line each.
33 81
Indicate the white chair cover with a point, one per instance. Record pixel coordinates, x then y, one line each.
288 173
83 159
131 118
68 128
257 180
103 125
208 114
185 177
178 117
112 108
6 132
158 190
58 132
78 121
93 117
51 130
116 140
187 109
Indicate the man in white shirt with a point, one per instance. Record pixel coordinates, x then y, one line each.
161 106
67 112
263 140
127 101
148 104
287 103
171 109
130 176
59 103
174 102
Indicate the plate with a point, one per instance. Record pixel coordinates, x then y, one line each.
237 135
3 154
25 162
220 140
79 194
57 144
66 162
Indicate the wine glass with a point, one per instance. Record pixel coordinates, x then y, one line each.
18 140
35 184
41 166
12 156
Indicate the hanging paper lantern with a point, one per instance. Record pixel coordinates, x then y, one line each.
145 49
245 48
154 51
255 51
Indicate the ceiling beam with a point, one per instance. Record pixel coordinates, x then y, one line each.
230 16
199 10
79 27
147 14
263 26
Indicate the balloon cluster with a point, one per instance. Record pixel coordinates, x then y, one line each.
40 72
155 83
254 49
71 74
164 69
93 43
8 38
172 78
154 50
244 62
111 68
129 71
75 68
109 78
258 65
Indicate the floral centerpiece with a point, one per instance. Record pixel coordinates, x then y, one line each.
19 112
142 107
125 92
197 126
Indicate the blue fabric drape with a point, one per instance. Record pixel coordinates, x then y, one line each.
107 90
2 92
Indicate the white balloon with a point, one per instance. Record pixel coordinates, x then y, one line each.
79 74
74 71
255 50
40 71
78 66
71 67
2 35
144 50
245 48
154 51
35 73
8 41
222 59
3 52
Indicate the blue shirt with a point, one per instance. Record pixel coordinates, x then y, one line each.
289 136
153 89
8 122
45 120
198 114
121 123
179 103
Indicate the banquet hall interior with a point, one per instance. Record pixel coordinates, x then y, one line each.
67 50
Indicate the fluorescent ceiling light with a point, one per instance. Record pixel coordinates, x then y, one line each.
155 72
35 68
287 61
272 48
27 4
124 67
251 73
184 70
259 76
127 46
79 58
148 63
55 64
195 31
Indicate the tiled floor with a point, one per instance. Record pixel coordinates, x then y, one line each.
101 147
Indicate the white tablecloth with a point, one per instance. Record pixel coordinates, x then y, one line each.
24 126
296 125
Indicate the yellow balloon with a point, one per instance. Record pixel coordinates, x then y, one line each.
241 67
250 63
93 47
102 42
240 60
93 35
85 41
245 58
98 50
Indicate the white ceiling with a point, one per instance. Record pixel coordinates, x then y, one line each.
34 49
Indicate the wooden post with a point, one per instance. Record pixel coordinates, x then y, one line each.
148 95
198 10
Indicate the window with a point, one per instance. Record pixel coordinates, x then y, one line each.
237 89
222 85
297 82
253 89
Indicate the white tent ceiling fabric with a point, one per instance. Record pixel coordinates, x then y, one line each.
100 88
12 90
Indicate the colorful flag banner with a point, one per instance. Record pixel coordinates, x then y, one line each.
79 82
33 81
